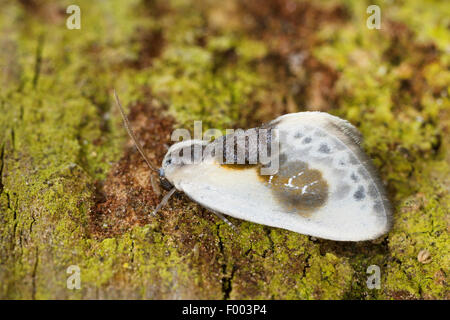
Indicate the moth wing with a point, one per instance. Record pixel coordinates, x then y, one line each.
356 196
326 186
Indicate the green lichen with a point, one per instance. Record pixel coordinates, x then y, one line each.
202 81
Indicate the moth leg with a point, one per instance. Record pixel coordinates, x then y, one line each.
228 222
155 185
164 201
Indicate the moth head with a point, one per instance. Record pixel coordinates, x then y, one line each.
165 184
181 155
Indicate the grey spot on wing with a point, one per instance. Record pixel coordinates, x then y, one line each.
298 135
342 163
307 140
324 148
354 177
359 194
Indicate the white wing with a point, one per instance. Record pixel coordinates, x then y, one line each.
326 186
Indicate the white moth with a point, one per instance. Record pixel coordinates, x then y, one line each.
324 186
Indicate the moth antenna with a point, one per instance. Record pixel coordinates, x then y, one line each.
164 200
131 133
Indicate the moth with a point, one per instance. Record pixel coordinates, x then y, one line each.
323 184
